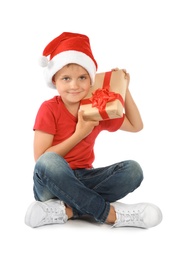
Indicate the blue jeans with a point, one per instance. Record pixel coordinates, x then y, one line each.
86 191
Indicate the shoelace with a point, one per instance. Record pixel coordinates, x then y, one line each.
53 215
128 217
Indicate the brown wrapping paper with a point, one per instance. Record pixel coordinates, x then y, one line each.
113 109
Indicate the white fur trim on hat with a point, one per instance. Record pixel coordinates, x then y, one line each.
66 57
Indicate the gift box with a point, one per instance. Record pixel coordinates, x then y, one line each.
105 99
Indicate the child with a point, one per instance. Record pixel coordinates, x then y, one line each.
66 186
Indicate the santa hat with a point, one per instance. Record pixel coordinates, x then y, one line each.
68 48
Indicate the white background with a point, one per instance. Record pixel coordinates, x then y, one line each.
140 36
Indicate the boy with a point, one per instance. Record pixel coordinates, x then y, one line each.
66 186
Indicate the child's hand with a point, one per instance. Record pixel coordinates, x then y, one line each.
127 76
83 127
115 69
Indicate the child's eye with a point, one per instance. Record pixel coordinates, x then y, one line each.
82 77
65 78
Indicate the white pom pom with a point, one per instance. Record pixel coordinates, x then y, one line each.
43 61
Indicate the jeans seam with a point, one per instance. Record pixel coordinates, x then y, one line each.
105 180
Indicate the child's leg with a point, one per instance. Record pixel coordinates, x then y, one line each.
53 178
112 182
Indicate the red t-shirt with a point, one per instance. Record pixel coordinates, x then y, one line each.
54 118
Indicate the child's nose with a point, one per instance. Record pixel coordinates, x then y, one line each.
74 85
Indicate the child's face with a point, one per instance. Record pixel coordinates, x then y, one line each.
72 83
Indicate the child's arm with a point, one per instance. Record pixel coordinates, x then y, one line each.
132 121
43 141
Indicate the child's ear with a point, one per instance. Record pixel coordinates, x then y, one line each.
53 80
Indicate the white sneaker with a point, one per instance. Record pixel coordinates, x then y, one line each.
44 213
142 215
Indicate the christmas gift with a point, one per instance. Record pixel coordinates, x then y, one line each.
105 99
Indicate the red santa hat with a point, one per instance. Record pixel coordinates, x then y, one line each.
68 48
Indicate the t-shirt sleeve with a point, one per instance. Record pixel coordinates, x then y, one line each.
112 125
45 119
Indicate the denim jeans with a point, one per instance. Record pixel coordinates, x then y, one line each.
86 191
